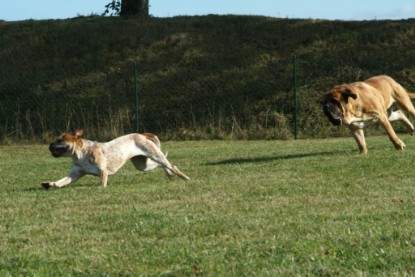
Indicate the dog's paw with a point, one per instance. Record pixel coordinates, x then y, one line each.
47 185
400 145
180 174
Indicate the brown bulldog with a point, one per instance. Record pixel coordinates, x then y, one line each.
370 100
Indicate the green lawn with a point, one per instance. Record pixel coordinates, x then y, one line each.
251 208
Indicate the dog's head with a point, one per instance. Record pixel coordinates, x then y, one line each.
66 144
336 104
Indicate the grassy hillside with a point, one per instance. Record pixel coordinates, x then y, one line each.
198 77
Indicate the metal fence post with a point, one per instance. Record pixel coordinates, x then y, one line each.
136 97
295 109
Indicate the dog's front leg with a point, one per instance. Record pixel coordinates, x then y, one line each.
104 177
73 175
359 137
98 159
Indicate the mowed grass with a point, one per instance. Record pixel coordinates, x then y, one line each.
252 208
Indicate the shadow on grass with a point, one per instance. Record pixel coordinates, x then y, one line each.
274 158
38 188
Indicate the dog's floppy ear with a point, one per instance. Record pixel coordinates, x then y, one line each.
348 93
79 132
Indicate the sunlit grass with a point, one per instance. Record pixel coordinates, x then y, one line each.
263 208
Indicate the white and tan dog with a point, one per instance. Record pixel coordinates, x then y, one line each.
370 100
103 159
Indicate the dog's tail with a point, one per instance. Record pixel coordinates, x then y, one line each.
153 138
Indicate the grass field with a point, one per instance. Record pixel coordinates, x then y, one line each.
252 208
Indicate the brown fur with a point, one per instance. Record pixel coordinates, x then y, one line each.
370 100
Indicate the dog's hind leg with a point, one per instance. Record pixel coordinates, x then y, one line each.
399 144
399 115
168 168
403 100
155 154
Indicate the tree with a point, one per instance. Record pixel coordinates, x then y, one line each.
127 8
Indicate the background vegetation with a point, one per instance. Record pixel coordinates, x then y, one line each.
198 77
252 208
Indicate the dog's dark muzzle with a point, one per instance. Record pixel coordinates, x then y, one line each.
57 149
333 114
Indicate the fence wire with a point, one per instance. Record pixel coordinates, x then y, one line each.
207 77
196 101
184 102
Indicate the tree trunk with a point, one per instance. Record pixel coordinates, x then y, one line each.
134 7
